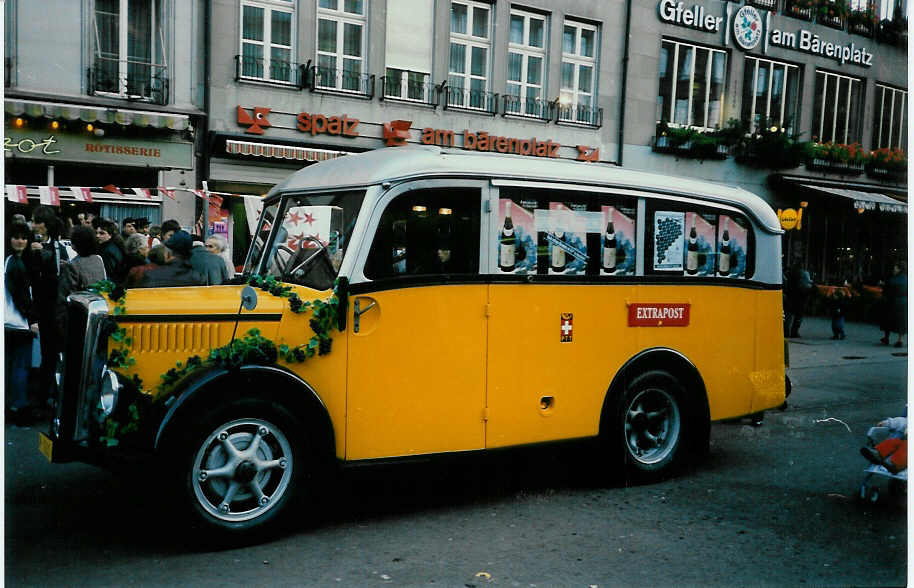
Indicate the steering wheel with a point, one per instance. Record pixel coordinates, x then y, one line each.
281 265
321 248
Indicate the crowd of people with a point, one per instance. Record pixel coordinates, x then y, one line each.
48 258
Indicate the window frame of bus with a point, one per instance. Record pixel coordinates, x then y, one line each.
544 195
383 203
654 205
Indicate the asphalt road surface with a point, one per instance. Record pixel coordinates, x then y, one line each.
771 506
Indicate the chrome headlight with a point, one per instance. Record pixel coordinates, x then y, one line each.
110 387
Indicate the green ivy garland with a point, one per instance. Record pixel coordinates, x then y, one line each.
253 348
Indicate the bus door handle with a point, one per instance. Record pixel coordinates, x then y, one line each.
357 312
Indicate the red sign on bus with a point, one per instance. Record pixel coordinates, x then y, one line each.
658 314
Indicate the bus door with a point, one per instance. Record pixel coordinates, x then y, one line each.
417 336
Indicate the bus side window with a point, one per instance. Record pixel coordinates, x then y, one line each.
427 232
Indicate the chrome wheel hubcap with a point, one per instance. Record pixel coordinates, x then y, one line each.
652 425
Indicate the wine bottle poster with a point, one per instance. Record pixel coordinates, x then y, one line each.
669 240
738 235
524 255
704 246
623 226
567 239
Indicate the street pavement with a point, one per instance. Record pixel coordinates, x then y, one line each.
816 348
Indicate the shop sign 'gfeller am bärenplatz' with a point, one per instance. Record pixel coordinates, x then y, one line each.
748 28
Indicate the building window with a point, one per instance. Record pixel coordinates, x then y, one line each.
892 9
579 62
691 85
836 109
770 94
526 59
468 69
266 40
890 129
129 58
408 55
340 45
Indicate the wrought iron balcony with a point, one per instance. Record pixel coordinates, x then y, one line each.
274 71
798 9
127 78
529 107
765 4
464 99
326 79
581 114
401 86
861 22
834 21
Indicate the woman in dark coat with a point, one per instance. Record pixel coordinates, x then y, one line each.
21 318
111 249
895 296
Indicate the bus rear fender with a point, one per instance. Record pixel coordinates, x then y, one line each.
678 366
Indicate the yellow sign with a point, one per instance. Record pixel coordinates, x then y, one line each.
790 218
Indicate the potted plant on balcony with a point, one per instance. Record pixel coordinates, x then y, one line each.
771 147
832 9
893 31
836 158
689 142
862 21
887 164
801 8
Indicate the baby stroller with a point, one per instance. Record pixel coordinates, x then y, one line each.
886 450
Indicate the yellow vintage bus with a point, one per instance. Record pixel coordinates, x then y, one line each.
412 302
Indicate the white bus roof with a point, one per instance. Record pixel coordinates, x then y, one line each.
395 164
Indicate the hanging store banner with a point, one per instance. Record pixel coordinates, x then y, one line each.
87 148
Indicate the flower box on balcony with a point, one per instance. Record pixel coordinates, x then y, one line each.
693 145
836 158
890 165
886 174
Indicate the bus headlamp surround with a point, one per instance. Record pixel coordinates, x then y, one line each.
110 388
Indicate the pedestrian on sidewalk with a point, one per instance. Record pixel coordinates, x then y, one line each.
837 303
895 304
797 289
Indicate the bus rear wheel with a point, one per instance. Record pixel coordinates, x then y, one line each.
650 425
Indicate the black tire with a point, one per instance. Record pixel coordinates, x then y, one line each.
241 467
652 426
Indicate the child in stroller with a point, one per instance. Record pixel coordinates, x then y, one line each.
887 450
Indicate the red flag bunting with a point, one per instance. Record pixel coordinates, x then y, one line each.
81 193
113 189
167 192
143 192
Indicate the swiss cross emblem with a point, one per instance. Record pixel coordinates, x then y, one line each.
566 327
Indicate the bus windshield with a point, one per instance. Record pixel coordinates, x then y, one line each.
308 242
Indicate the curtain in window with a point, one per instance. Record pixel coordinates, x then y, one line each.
458 18
139 47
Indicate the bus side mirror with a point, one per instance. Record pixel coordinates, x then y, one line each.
342 294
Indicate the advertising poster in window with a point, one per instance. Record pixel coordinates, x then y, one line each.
700 244
566 238
516 237
617 242
669 240
732 248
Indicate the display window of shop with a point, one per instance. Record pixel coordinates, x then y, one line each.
579 62
408 55
267 40
526 60
770 94
341 45
128 59
890 127
837 108
692 85
468 64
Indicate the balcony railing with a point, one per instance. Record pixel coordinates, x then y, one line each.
834 21
529 107
464 99
344 81
126 78
274 71
395 88
798 9
581 114
765 4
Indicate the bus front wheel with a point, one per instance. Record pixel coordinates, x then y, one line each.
650 426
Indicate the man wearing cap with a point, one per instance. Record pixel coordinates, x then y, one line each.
177 270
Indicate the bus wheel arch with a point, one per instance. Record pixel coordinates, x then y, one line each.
655 416
265 411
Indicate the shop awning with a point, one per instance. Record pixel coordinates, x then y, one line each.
864 200
280 151
121 116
